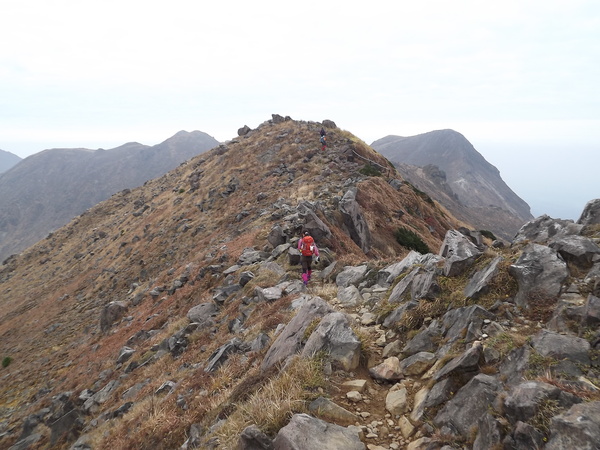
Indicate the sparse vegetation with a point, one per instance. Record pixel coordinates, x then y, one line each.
488 234
411 240
370 170
271 406
6 361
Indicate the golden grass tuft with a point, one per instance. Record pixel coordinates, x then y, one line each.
272 405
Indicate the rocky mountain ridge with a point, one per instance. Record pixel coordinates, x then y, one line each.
173 315
445 164
46 190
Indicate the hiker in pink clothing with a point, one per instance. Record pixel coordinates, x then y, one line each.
307 248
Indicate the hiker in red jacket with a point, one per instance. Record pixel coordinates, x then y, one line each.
308 249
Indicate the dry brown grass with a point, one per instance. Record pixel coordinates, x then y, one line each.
273 404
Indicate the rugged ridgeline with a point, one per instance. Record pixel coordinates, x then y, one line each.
173 316
7 160
46 190
446 166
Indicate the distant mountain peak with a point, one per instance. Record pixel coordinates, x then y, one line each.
472 179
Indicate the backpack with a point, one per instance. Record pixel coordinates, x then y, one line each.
308 246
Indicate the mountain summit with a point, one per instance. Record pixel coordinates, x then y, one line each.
454 173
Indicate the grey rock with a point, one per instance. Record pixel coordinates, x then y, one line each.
335 336
351 275
526 437
591 213
388 370
125 354
578 428
349 296
540 273
354 220
558 346
250 256
304 432
426 340
467 363
479 283
202 314
327 410
290 340
459 251
165 388
441 392
111 313
221 355
387 275
397 314
252 438
466 322
315 226
276 236
269 294
469 404
489 433
543 228
417 364
579 250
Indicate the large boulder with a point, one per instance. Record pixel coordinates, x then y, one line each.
289 342
540 273
304 432
460 253
543 228
559 346
591 213
311 222
466 322
202 314
526 399
419 283
354 220
469 404
335 336
479 283
578 428
578 250
351 275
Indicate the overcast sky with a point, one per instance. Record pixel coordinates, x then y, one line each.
519 79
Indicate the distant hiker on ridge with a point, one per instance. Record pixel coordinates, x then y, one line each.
323 139
307 248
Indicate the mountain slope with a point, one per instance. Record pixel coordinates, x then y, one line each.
474 184
7 160
46 190
192 222
173 315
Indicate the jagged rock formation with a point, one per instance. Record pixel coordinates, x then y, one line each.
7 160
447 167
173 316
46 190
